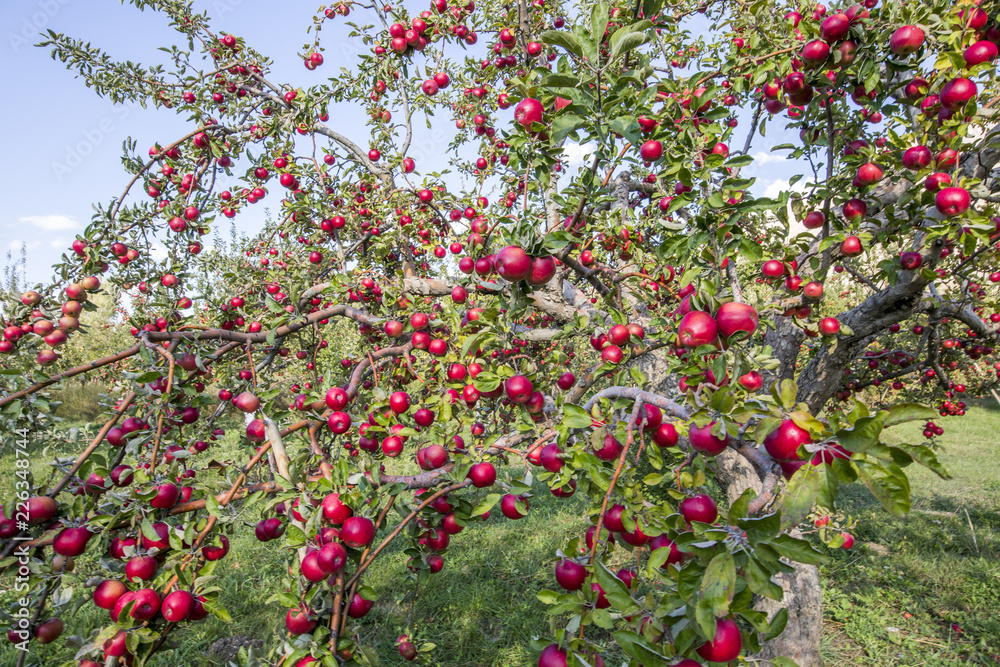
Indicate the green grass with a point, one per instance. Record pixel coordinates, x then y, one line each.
482 609
895 597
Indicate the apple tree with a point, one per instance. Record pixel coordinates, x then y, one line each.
706 367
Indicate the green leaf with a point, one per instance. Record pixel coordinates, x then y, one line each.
798 550
863 435
782 661
907 412
628 42
718 584
575 416
760 582
925 456
599 20
561 38
486 504
777 626
638 648
787 393
800 495
565 123
614 588
547 596
738 510
888 484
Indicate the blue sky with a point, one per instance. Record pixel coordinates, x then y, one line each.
64 144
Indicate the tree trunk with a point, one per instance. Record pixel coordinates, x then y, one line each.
803 596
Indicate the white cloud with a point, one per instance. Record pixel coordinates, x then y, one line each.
779 185
158 252
60 242
576 153
761 157
776 188
16 245
50 223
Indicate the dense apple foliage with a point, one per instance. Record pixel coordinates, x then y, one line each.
411 351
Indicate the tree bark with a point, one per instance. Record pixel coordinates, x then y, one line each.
803 597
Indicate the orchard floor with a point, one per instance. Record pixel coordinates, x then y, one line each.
924 590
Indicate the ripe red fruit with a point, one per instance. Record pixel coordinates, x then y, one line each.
674 555
697 328
71 542
542 270
49 631
297 621
952 202
508 506
513 264
107 593
177 606
566 381
665 435
855 209
980 52
336 398
311 569
651 151
829 326
869 174
360 607
612 354
335 510
339 422
851 246
140 568
906 40
528 111
752 381
917 158
610 449
813 290
733 317
331 557
835 27
957 93
147 604
399 402
726 645
704 441
783 442
432 457
570 574
552 656
549 458
814 220
357 531
40 509
246 402
518 389
699 508
773 269
815 53
482 474
166 496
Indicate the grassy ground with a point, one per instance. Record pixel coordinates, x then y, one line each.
918 591
924 590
